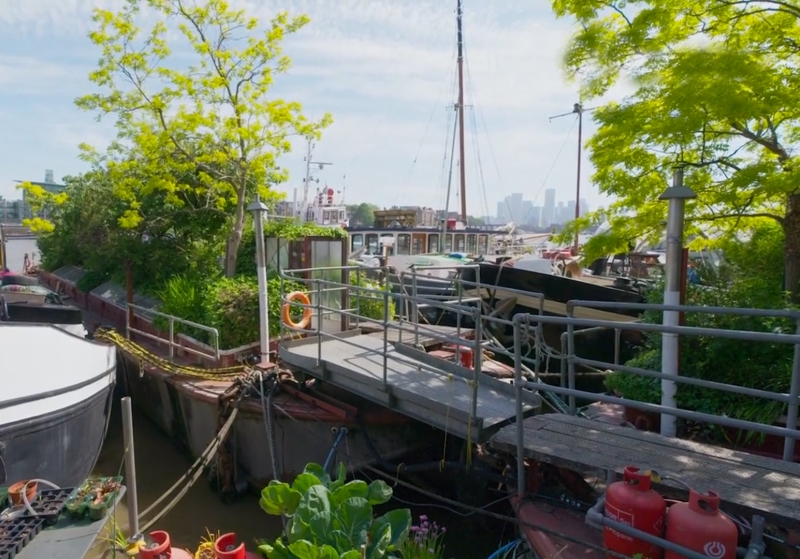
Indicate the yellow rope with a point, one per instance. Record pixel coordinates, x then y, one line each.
146 357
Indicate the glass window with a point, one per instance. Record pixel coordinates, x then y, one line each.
448 243
483 244
390 252
356 242
472 243
372 244
403 244
416 245
433 243
460 243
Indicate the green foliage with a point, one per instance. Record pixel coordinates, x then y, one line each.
187 299
715 92
362 215
91 280
750 364
331 519
286 229
369 304
207 127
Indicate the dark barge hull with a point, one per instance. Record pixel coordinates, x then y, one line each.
61 447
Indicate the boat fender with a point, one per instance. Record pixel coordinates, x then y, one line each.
286 315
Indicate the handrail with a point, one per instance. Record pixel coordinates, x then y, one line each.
171 342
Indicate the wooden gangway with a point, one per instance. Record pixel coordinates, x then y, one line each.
407 380
748 484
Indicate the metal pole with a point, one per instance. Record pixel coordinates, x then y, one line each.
518 384
461 156
579 110
677 196
794 394
318 290
386 292
130 467
258 209
573 406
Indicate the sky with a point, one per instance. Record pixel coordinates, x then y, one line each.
385 71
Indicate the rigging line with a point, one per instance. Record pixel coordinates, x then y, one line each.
488 137
452 76
471 92
552 166
479 170
443 172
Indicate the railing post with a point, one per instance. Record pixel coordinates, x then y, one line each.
318 289
171 337
573 408
460 286
563 380
358 298
518 384
402 279
477 362
415 304
617 343
794 395
386 292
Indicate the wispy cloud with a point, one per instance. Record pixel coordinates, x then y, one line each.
384 68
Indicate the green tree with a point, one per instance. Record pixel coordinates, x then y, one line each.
362 214
215 112
716 84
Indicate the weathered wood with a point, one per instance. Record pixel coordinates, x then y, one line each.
748 484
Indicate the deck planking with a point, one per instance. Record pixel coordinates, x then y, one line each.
414 387
748 484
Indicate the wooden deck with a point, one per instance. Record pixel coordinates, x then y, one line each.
425 388
748 484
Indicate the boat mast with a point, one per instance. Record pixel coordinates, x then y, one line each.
462 168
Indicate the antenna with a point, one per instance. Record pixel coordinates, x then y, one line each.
309 178
577 109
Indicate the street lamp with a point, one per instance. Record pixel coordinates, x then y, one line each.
677 195
259 209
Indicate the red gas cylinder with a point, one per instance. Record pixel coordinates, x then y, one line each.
161 548
700 526
634 503
225 547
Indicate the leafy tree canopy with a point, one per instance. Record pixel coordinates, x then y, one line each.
212 120
715 92
362 215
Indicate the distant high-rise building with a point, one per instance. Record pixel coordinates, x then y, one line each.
584 206
549 216
569 211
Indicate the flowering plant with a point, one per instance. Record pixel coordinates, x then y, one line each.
424 542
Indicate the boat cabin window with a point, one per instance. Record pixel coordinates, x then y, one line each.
403 244
416 245
341 215
356 242
433 243
390 250
472 244
448 243
460 243
372 244
483 244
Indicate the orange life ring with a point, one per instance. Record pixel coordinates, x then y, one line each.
286 316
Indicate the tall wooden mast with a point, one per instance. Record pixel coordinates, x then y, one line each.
461 166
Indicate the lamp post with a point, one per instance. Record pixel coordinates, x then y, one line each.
259 209
677 195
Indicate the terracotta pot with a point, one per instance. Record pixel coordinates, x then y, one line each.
15 492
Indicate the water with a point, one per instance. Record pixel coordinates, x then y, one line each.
159 464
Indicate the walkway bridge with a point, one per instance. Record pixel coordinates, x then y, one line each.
390 367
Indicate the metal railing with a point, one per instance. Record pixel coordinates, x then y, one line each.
789 433
171 341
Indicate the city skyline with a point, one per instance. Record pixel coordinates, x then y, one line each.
521 211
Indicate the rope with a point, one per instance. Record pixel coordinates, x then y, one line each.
147 357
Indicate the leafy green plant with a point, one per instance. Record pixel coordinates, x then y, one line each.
185 298
331 519
370 304
91 280
743 284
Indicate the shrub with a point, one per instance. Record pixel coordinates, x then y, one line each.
750 364
370 305
184 298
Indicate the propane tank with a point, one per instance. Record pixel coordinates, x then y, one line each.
634 503
225 547
699 525
161 548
